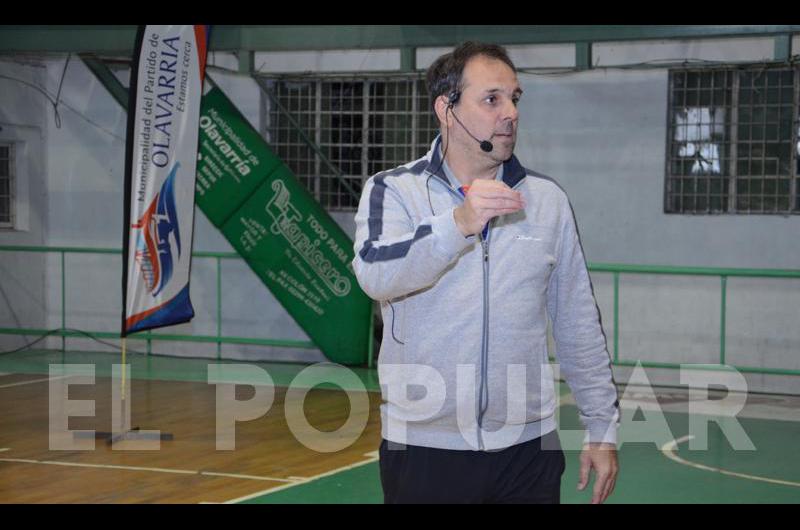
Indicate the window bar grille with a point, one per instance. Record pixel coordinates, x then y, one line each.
9 194
413 117
365 143
305 137
318 139
794 171
714 104
669 181
699 152
377 109
734 128
755 153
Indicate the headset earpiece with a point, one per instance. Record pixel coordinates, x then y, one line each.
453 97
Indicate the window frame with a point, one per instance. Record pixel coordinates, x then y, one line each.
377 152
10 224
729 172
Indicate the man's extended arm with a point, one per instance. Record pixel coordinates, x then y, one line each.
393 257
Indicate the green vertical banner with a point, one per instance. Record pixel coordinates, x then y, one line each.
286 237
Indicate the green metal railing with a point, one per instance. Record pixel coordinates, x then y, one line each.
615 269
723 273
149 336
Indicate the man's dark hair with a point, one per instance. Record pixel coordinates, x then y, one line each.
445 74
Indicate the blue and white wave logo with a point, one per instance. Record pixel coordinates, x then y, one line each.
159 239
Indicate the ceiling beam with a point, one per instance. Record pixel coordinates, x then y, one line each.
104 74
119 39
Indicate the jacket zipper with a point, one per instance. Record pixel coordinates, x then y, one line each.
484 386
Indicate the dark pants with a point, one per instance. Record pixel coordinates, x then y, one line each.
523 473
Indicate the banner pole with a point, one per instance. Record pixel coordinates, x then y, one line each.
123 426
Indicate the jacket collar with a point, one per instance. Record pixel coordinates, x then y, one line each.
513 172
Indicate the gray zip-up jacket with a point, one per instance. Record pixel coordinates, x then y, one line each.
463 362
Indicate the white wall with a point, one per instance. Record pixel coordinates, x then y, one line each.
738 49
327 61
23 112
523 56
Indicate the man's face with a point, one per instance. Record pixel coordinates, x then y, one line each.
488 108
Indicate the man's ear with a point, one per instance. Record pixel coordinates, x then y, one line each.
441 109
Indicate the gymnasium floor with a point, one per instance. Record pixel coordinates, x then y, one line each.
270 466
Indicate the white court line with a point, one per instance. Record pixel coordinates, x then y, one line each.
669 451
152 469
35 381
98 466
4 449
373 457
252 477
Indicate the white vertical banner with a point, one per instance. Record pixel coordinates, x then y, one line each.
161 155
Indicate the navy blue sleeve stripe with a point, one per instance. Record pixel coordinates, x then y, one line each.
372 254
369 253
375 219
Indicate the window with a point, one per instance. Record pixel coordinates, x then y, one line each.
733 141
361 125
6 185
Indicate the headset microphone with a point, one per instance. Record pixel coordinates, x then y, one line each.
486 145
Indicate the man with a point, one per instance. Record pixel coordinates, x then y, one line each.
467 252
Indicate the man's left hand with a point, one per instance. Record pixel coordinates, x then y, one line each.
602 457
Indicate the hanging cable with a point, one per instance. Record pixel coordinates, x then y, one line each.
65 104
57 116
444 153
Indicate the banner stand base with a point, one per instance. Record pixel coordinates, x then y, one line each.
130 435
